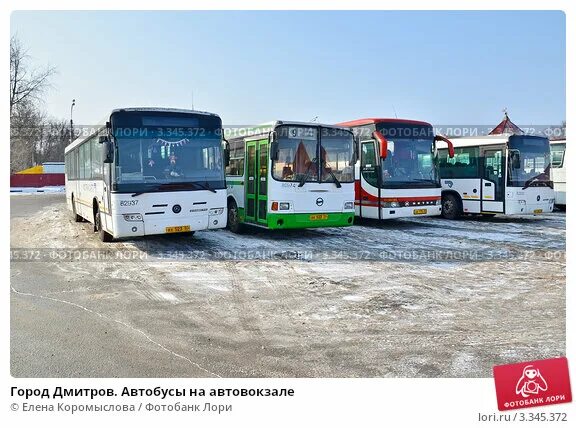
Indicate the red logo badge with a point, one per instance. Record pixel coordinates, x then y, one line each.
533 383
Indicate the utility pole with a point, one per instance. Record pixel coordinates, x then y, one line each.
71 121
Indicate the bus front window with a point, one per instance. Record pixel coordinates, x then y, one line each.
410 159
337 151
528 161
297 154
150 151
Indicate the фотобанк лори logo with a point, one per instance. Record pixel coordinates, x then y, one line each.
532 383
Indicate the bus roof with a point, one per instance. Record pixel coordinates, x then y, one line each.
484 140
102 123
369 121
266 127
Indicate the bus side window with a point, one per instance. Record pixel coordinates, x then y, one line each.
236 164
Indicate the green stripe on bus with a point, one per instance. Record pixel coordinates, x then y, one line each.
303 221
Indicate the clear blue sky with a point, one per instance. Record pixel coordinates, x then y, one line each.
252 67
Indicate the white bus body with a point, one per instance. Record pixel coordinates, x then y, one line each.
497 174
558 158
148 171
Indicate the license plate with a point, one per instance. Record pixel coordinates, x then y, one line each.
177 229
419 212
314 217
537 211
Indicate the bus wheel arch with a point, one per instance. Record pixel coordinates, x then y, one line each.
234 224
451 205
98 227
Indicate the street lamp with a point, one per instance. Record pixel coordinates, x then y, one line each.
71 122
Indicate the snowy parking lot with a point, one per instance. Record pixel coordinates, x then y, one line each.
423 297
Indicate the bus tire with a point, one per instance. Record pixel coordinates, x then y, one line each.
234 224
451 206
103 235
75 215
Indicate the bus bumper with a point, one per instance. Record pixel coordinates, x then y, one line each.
425 211
309 220
163 225
517 207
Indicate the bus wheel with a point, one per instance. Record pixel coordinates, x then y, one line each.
104 236
75 215
451 206
234 218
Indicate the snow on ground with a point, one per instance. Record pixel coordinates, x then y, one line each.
422 297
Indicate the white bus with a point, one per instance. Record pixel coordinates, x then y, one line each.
497 174
148 171
397 170
558 157
291 175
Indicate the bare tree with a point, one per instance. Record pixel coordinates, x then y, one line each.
55 137
26 130
26 85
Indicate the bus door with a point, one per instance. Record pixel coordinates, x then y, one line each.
106 211
262 181
256 184
369 171
492 183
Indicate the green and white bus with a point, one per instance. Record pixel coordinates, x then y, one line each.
291 175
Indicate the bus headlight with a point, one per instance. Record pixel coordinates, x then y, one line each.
133 217
284 206
349 205
392 204
215 211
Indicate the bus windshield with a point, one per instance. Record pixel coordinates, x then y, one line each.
410 160
528 161
298 154
156 148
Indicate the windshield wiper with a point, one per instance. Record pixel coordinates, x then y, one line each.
336 181
307 173
185 185
203 186
152 189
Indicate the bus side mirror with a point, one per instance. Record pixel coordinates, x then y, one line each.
356 154
273 146
107 153
383 143
447 141
226 153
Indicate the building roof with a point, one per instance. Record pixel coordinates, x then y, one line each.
506 127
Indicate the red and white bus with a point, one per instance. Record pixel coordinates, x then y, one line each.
397 170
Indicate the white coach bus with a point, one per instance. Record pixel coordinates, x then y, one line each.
148 171
558 156
497 174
